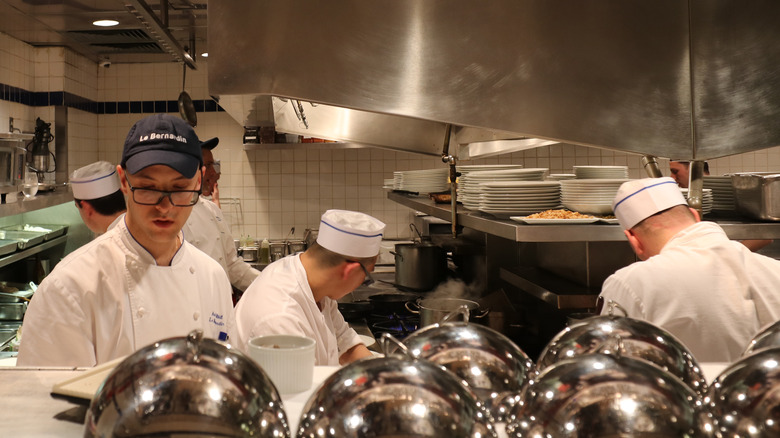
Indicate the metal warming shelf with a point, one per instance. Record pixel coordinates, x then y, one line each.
735 228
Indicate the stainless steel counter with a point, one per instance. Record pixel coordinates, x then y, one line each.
735 228
41 200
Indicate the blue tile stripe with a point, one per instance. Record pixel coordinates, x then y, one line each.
56 98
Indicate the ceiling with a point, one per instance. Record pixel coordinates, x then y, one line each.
143 35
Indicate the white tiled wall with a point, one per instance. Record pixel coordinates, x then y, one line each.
264 193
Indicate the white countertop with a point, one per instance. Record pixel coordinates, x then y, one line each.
28 410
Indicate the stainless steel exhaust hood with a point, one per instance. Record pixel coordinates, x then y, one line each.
692 79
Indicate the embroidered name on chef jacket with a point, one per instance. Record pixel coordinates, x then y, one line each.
218 320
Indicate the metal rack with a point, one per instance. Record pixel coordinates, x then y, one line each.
735 228
23 254
561 265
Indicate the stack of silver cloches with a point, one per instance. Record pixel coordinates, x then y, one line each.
605 376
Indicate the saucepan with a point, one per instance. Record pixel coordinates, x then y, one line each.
419 266
433 310
355 309
391 302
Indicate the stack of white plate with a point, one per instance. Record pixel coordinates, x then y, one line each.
421 181
722 192
388 183
561 176
601 172
590 196
470 188
513 198
467 168
706 199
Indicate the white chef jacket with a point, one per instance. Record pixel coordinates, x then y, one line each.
109 298
280 301
713 294
207 230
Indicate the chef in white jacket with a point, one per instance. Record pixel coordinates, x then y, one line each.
140 282
207 229
98 195
297 294
712 293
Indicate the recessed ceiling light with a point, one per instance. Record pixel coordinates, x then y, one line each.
205 54
105 23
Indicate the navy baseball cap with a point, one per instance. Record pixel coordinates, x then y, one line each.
162 139
210 143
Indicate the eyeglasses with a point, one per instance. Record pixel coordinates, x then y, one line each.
178 198
216 165
369 279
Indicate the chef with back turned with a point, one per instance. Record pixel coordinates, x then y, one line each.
712 293
297 294
140 282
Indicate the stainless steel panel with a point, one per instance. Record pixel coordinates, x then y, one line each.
757 195
681 79
735 51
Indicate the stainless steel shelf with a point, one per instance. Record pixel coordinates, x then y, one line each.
23 254
735 228
302 146
42 200
535 282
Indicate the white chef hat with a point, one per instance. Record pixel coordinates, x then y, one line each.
638 199
350 233
94 181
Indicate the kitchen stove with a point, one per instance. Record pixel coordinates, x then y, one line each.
398 325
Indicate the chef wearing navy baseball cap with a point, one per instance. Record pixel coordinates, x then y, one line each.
297 294
140 282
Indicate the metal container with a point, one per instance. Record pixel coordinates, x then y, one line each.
24 239
628 337
295 246
12 311
250 253
187 386
419 266
12 163
600 395
757 194
393 397
278 250
743 398
433 310
8 246
768 337
50 230
493 366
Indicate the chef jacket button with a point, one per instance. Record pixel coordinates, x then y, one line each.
192 270
141 312
196 316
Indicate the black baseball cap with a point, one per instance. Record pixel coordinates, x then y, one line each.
162 139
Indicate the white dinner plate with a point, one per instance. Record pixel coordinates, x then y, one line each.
589 208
